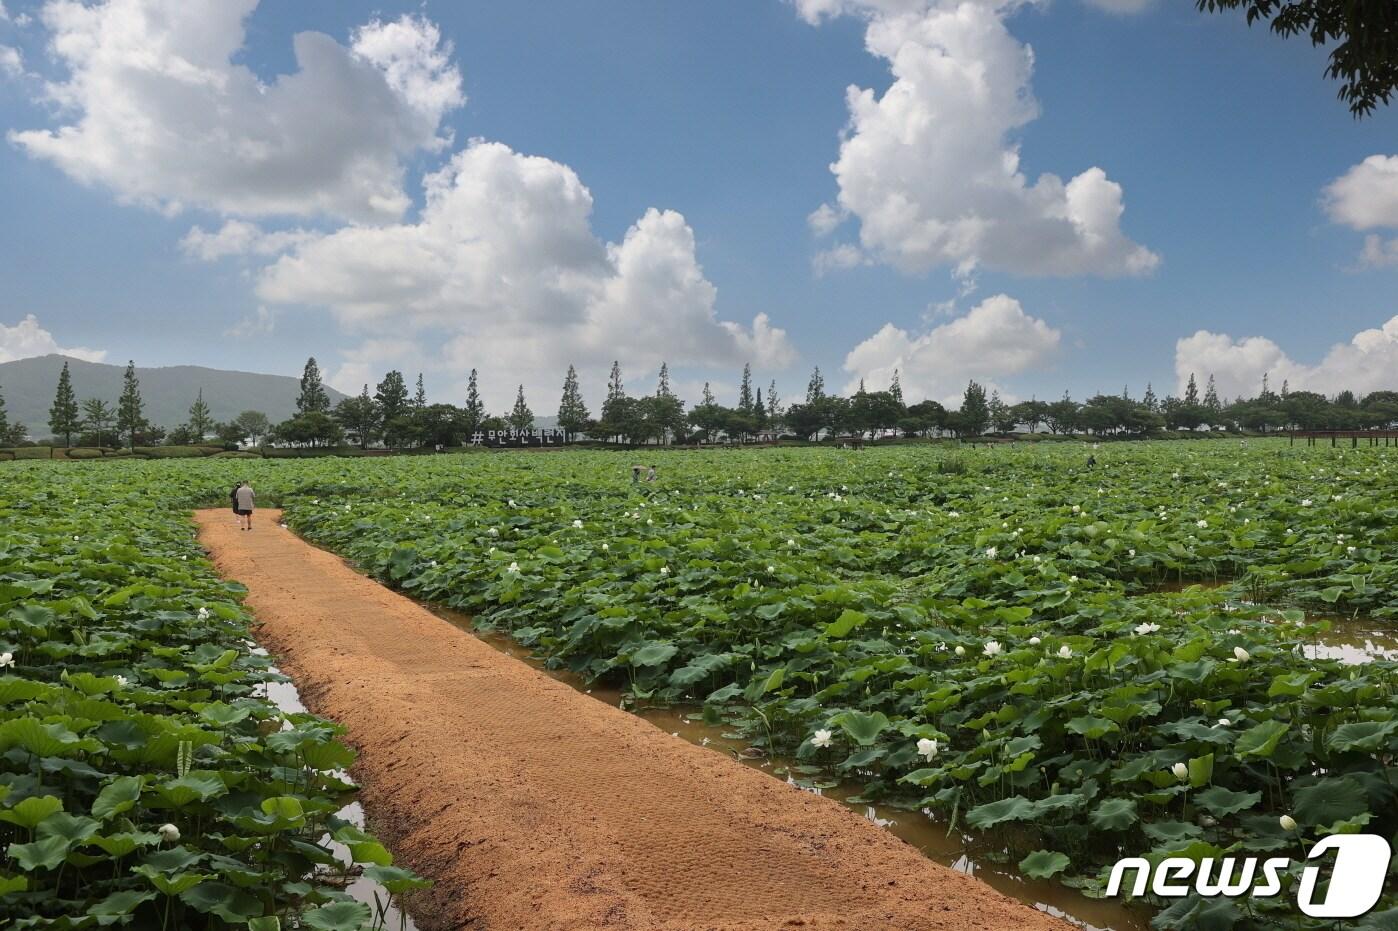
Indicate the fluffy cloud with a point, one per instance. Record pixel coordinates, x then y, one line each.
27 339
929 167
11 62
1366 363
503 271
994 340
1366 198
165 117
239 237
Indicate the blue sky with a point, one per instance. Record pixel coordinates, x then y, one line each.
1223 141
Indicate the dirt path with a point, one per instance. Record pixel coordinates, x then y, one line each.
535 807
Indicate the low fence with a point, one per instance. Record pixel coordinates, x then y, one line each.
1372 437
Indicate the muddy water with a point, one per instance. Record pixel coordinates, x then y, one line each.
954 849
387 916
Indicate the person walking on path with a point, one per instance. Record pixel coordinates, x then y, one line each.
233 502
243 500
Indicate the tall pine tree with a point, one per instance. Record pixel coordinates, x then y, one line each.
896 388
1150 402
521 418
473 414
201 422
313 398
131 417
1191 391
745 391
63 415
707 398
774 402
662 388
572 411
815 388
420 397
1211 402
616 395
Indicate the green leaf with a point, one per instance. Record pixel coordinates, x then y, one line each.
43 854
654 653
1092 727
230 903
117 796
1262 739
1333 798
1364 736
31 811
1201 770
862 728
396 879
847 621
337 916
1042 864
1014 808
117 906
1114 814
1221 801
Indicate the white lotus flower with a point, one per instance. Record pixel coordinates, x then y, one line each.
1224 722
1072 580
1131 553
1350 550
512 502
960 651
1034 641
168 833
822 738
493 532
203 614
790 542
1201 523
771 568
122 682
991 648
1305 502
1181 771
1065 651
605 547
1147 628
577 524
664 570
1240 655
1077 509
953 513
513 569
1287 823
927 748
990 552
7 659
649 522
1038 558
1176 475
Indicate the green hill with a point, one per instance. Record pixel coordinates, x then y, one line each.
28 386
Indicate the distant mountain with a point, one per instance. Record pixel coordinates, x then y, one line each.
28 386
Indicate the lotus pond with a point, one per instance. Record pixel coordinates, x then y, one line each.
1002 637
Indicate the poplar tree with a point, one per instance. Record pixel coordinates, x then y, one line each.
616 395
63 415
130 408
201 421
1191 391
313 398
572 411
521 418
473 414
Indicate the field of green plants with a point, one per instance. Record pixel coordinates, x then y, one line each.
144 780
1001 636
995 635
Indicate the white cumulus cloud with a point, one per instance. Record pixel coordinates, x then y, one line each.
502 271
239 237
1366 198
994 340
11 62
27 339
931 169
163 115
1365 363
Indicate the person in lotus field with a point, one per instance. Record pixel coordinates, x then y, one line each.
243 500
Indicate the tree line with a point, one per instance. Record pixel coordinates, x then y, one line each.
396 417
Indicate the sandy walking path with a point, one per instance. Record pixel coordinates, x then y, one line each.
534 806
